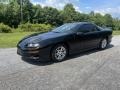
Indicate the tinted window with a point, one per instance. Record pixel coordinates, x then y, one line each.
87 28
95 28
66 28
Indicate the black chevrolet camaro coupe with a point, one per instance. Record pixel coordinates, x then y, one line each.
64 40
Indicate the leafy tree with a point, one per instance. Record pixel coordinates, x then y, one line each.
12 14
99 19
27 11
116 24
51 15
108 20
68 13
38 14
2 12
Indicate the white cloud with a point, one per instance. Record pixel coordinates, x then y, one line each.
59 4
53 3
50 0
56 4
88 7
109 10
77 9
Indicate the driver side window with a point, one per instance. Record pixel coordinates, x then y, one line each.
85 28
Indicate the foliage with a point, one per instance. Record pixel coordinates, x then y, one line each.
5 28
68 13
35 27
116 24
10 14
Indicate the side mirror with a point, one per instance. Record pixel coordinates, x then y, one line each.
79 33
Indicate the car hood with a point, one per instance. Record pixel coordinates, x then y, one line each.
37 38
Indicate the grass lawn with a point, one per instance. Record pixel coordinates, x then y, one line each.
8 40
116 32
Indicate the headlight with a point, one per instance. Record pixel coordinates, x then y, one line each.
33 45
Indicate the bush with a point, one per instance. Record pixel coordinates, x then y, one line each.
5 28
35 27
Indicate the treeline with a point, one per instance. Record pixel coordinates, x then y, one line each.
10 14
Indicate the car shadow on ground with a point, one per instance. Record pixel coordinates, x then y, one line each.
40 62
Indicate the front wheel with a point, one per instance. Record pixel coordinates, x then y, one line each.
59 53
103 43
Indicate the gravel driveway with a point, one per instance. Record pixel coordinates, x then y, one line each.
92 70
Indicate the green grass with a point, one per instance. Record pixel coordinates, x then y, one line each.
8 40
117 32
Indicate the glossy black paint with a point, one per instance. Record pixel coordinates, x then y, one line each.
75 40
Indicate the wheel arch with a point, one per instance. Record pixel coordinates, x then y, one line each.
59 43
105 37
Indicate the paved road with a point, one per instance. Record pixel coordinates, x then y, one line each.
93 70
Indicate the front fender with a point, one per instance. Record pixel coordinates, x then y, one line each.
56 40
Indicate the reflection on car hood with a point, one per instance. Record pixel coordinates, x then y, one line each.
36 38
39 37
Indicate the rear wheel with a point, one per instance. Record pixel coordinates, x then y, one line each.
103 43
59 52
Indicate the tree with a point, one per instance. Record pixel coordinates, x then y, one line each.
2 12
12 14
51 15
108 20
116 24
27 7
68 13
38 14
92 13
99 19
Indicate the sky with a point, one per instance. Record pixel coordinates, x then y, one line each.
85 6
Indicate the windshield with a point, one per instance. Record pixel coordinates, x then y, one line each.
100 28
65 28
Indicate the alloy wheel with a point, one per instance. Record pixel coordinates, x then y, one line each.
103 43
59 53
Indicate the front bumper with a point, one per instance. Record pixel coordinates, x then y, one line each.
43 53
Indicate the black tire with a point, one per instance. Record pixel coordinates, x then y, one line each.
55 51
103 44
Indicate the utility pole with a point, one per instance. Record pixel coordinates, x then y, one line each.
21 4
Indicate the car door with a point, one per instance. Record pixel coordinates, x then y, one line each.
86 37
95 36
